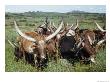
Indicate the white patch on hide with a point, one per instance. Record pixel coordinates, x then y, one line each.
89 39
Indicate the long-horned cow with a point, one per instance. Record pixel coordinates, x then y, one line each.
89 43
35 44
100 33
68 44
85 40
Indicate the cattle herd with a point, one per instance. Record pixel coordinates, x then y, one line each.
49 42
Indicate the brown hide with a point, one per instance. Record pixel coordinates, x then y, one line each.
49 47
26 43
87 47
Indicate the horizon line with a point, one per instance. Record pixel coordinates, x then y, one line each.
54 11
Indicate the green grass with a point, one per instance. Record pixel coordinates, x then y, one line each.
63 65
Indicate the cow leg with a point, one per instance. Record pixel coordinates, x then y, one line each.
25 54
57 55
26 57
18 54
35 60
48 56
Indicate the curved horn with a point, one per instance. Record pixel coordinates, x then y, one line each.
67 24
50 27
11 44
54 26
100 42
43 25
71 26
55 33
99 27
76 25
22 34
15 44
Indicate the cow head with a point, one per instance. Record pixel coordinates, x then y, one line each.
101 33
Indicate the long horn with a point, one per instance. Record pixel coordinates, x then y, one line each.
22 34
55 33
11 44
54 26
62 30
50 27
67 24
90 41
43 25
100 42
99 27
15 44
76 25
71 26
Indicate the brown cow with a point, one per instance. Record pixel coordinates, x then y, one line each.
90 45
85 39
35 44
88 49
100 36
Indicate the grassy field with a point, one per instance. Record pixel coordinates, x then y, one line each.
30 20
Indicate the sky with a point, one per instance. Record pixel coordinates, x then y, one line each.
55 8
